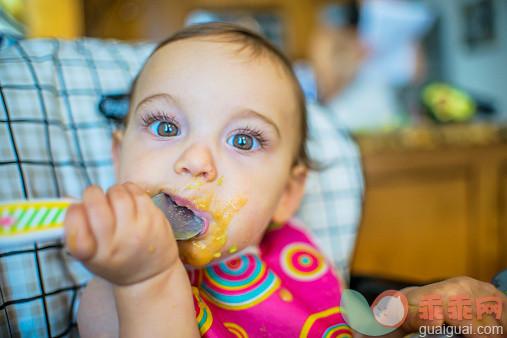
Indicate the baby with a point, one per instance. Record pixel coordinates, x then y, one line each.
218 123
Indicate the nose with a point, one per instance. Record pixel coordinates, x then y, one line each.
197 160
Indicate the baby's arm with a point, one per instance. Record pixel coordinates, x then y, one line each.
97 314
123 238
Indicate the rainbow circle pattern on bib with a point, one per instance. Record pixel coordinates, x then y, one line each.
302 262
239 283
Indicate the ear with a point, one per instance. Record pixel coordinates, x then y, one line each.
117 143
292 195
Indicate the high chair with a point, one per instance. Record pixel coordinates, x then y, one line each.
54 142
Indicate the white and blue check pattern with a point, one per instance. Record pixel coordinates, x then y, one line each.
331 207
54 142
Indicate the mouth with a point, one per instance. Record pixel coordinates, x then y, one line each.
186 207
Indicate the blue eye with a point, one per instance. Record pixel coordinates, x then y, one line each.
243 142
166 129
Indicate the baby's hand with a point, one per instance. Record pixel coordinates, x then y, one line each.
471 288
120 236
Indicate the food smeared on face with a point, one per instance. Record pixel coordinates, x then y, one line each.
194 186
216 216
201 249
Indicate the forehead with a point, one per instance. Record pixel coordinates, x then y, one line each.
196 69
219 49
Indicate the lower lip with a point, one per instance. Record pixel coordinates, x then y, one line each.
205 222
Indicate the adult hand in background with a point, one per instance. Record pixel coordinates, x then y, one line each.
459 307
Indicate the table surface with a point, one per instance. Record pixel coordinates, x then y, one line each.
432 136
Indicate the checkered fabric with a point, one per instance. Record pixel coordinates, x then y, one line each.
54 142
331 207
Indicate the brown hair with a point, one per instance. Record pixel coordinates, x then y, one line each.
257 46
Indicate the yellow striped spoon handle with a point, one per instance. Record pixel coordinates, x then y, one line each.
24 222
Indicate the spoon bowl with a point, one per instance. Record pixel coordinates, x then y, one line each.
184 223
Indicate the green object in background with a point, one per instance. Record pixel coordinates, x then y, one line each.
357 314
446 103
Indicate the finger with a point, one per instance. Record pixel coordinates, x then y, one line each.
78 237
141 199
135 189
147 211
100 215
72 198
486 290
414 318
123 205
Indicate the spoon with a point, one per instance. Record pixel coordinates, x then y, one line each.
184 222
27 221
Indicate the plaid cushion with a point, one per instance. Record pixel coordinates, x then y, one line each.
54 142
331 208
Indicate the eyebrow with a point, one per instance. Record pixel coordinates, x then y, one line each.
252 113
156 98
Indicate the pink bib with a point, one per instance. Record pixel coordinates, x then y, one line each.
287 290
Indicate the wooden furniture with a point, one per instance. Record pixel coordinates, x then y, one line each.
157 19
435 204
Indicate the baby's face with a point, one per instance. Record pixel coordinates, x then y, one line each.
218 133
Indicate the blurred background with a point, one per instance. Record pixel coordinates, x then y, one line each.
422 86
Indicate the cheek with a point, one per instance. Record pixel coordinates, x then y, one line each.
262 191
249 224
139 166
264 185
247 229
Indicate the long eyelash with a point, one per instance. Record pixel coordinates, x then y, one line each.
152 117
258 134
